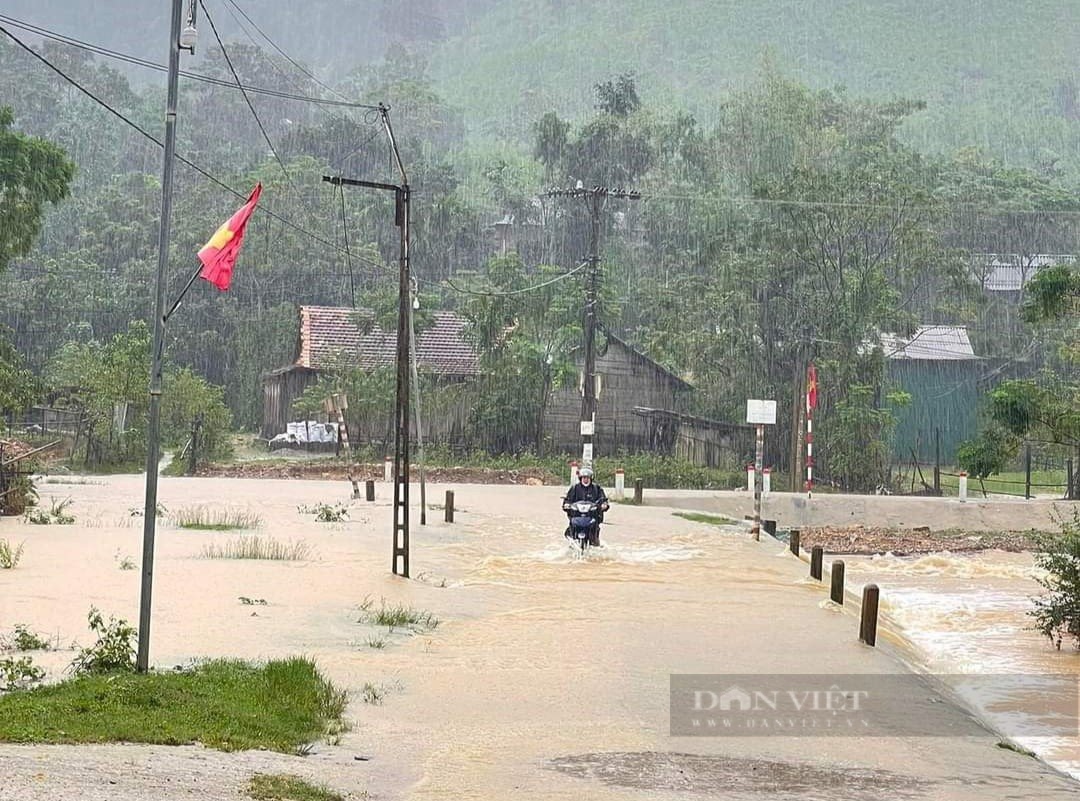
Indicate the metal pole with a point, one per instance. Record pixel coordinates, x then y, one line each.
759 458
1027 471
153 444
401 410
937 461
588 400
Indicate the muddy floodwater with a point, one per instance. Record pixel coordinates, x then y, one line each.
968 614
548 675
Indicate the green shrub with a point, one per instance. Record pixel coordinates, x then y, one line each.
19 674
23 639
114 650
326 512
55 514
1057 613
203 518
244 547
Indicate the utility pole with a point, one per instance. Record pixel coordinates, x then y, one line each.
402 198
153 433
595 198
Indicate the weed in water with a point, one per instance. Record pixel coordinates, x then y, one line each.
396 616
224 704
376 642
372 693
285 787
10 554
245 547
114 650
203 518
253 601
19 674
55 514
124 562
326 512
23 639
138 511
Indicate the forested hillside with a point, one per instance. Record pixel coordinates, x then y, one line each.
782 221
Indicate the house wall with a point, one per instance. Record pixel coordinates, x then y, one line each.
628 380
945 398
279 392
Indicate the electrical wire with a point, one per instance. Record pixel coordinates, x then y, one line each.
45 33
250 105
511 292
187 162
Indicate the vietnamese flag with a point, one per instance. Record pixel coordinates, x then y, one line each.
811 387
219 254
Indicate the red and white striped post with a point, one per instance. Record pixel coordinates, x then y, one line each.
750 477
811 404
573 473
766 480
620 483
388 470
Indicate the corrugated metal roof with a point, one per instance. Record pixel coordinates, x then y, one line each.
328 334
930 343
1010 272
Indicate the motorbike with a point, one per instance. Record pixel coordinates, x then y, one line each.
584 527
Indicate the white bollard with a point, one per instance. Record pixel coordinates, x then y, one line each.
963 487
388 470
620 484
766 480
573 473
749 478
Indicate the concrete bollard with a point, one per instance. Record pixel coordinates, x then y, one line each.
639 491
868 619
766 480
816 555
355 486
573 473
369 486
770 527
388 470
837 590
793 541
963 487
449 506
620 484
749 478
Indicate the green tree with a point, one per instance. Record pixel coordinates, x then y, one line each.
33 172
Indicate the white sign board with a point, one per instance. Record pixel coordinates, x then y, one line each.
586 453
761 412
587 428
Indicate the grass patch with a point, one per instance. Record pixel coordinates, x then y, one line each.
714 520
285 787
204 518
326 512
225 704
1043 482
245 547
377 643
397 616
10 554
76 480
55 514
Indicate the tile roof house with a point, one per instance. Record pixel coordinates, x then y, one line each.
330 336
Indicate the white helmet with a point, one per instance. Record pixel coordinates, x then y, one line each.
585 472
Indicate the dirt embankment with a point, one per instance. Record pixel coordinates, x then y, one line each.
908 541
322 471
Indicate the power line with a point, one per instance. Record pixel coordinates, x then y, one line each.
250 105
558 278
204 173
71 41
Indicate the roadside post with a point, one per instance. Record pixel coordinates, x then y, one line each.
620 484
963 487
760 413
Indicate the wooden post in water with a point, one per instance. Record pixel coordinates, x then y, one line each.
639 491
816 553
793 541
449 506
837 590
770 527
1027 471
369 485
868 622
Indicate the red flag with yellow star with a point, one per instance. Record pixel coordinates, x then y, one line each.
811 387
219 254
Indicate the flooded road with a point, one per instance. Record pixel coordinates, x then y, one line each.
968 614
548 676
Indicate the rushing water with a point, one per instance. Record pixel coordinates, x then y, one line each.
968 614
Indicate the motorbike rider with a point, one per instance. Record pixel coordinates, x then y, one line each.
586 490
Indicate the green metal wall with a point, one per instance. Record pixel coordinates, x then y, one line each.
945 396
